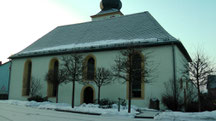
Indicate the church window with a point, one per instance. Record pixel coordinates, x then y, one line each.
27 78
52 86
89 68
136 76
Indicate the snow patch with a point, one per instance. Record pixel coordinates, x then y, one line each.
180 116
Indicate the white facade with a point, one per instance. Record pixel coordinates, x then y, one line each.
162 56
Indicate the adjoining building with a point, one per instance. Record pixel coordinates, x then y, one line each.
100 41
211 85
4 79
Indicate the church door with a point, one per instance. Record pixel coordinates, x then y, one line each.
88 95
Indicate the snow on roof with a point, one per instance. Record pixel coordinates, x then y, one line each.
89 45
135 28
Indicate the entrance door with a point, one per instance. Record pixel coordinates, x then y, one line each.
88 95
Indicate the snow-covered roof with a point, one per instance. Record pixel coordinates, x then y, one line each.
130 30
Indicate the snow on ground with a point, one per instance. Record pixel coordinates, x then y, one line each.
106 113
91 108
9 112
180 116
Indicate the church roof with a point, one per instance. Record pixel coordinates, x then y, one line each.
139 29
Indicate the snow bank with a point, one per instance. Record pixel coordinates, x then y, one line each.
180 116
91 108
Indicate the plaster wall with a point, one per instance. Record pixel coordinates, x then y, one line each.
160 56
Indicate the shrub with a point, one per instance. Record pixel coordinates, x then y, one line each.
106 103
171 104
37 99
207 102
191 107
154 104
123 102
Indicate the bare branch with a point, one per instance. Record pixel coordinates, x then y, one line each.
35 87
197 72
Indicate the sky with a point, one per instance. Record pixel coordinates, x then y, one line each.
22 22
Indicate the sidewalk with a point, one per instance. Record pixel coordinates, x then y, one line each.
147 114
79 112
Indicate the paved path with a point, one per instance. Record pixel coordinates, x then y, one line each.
20 113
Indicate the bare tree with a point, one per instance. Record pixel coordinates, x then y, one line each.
173 90
56 79
72 65
198 70
189 95
128 66
103 77
35 87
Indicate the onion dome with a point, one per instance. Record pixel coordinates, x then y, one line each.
110 4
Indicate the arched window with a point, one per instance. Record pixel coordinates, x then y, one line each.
27 78
55 71
52 84
90 69
136 76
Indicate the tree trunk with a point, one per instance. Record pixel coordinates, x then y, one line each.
99 95
129 97
57 93
198 86
130 85
185 100
73 93
199 102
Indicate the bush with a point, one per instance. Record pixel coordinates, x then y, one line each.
191 107
38 99
3 96
154 104
170 103
106 103
208 103
123 102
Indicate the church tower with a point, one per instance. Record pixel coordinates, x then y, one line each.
109 9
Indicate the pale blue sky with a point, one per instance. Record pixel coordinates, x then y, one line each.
191 21
24 21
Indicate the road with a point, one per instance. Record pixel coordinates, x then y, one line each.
19 113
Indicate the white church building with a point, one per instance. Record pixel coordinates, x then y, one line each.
100 42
